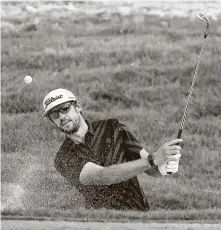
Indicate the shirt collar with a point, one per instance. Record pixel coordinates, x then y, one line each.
90 128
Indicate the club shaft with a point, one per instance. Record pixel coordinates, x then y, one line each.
191 91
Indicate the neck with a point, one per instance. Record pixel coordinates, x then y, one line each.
79 136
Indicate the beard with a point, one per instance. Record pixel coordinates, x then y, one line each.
70 126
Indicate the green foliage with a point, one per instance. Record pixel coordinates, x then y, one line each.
140 73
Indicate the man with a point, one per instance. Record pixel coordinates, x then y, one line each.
102 159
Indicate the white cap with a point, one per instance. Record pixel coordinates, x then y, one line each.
55 98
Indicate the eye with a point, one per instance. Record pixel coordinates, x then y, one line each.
65 108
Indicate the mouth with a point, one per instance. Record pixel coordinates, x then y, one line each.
65 123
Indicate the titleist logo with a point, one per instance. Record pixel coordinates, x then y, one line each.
51 99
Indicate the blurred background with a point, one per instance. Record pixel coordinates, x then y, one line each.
133 60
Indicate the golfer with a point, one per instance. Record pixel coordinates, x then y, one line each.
102 159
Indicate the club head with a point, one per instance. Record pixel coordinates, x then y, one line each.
203 18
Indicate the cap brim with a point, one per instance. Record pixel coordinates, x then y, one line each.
45 113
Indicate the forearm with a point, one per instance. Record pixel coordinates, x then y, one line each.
121 172
93 174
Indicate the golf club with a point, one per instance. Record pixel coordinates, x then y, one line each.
205 20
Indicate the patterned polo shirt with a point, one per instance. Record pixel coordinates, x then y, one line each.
107 142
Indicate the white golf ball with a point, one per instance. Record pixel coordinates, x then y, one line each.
28 79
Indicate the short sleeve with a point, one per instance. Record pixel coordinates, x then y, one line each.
132 146
70 168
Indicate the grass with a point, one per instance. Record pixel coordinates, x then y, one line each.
93 58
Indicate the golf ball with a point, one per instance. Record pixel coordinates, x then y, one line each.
28 79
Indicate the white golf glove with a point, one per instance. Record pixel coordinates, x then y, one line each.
171 166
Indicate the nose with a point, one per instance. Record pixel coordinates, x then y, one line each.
61 115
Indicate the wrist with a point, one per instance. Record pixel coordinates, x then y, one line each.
150 160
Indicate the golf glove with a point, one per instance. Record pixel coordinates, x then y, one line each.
171 166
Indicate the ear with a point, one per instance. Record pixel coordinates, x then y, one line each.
78 106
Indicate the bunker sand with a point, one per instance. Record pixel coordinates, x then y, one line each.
62 225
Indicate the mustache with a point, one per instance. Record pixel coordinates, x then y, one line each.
63 122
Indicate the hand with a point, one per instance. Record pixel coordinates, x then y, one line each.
170 167
167 152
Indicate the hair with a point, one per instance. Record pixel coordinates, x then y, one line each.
77 104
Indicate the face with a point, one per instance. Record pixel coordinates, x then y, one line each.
66 117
